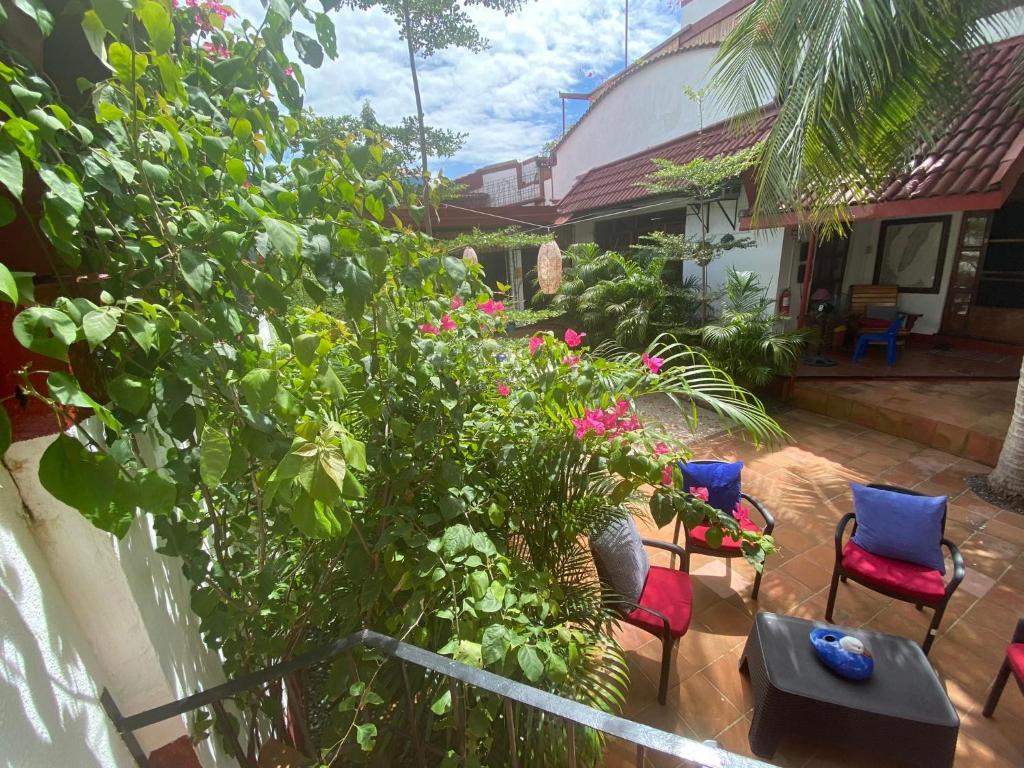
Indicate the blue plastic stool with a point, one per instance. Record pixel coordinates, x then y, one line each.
888 336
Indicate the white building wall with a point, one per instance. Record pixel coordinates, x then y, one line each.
50 713
649 108
130 606
696 10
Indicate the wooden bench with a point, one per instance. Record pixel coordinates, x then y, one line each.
864 296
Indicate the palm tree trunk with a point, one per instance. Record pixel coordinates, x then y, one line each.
1008 476
419 117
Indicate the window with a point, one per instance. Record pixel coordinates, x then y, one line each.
911 253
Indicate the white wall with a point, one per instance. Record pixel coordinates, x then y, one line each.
49 686
647 109
131 606
860 269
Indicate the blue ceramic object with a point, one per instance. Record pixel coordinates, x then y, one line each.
842 653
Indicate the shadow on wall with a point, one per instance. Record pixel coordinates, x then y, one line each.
49 700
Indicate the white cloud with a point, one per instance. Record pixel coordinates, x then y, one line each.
505 98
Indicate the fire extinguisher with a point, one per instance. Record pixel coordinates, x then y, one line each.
784 302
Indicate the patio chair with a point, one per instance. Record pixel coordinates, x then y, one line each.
889 337
664 605
1012 662
896 578
696 537
867 308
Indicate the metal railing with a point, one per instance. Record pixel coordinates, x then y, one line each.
645 738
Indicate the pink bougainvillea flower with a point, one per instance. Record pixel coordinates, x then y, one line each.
536 342
701 492
571 360
429 329
666 474
572 338
741 513
491 307
660 449
456 302
447 324
609 423
288 71
216 50
504 390
247 184
191 3
653 364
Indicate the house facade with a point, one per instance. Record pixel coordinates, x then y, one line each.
948 230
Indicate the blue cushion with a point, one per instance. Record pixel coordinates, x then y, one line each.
721 478
900 525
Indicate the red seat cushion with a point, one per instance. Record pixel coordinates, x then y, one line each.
699 535
873 324
667 591
1015 655
909 580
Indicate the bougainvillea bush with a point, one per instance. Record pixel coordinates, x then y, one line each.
386 464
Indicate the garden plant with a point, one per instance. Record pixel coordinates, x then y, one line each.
386 463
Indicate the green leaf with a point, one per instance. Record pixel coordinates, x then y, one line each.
197 270
122 59
8 285
67 391
45 330
530 663
496 642
357 284
158 175
482 544
326 34
130 393
11 175
95 34
158 492
37 11
6 433
258 388
214 454
317 520
112 13
456 268
236 170
557 670
84 480
305 347
366 736
158 26
479 581
99 324
456 539
443 703
283 235
309 49
242 128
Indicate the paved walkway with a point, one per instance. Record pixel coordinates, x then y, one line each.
805 485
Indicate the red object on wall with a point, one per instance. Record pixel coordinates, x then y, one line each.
178 754
29 417
784 300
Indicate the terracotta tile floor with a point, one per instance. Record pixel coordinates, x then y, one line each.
966 418
804 484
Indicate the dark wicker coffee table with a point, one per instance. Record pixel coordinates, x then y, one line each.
902 710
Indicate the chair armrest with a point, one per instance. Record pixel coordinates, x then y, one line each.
844 522
1018 633
669 547
666 628
769 521
959 569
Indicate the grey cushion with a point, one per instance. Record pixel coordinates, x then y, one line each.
620 556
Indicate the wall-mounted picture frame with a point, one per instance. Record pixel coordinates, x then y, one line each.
911 253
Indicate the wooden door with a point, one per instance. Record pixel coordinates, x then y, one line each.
964 279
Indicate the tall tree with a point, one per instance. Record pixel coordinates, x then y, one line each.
859 86
400 142
428 26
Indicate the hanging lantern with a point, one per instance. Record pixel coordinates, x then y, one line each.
549 267
469 255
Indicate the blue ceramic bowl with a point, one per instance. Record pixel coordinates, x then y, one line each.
836 654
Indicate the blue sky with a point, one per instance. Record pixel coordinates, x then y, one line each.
505 98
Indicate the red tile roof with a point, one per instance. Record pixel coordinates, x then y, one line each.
977 152
980 155
619 182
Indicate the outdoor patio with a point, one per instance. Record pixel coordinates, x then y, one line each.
805 485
